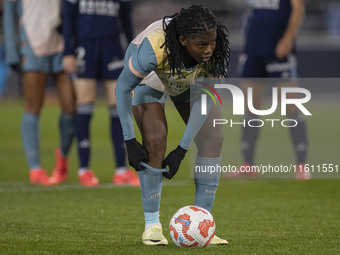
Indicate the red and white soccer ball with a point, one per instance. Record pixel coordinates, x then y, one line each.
192 226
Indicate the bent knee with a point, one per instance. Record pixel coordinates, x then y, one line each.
210 144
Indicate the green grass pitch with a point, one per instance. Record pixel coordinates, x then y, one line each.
256 216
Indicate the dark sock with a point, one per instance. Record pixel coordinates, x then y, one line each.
117 138
249 138
299 138
84 114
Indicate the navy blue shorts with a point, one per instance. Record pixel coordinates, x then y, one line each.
100 59
267 67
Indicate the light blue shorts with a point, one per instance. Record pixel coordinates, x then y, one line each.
46 64
145 94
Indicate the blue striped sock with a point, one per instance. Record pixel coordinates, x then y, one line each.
84 114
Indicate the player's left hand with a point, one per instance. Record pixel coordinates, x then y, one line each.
173 160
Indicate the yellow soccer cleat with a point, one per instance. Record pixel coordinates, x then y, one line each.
153 235
218 241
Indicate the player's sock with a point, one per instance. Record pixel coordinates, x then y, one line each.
120 170
249 138
67 130
206 183
84 114
151 180
30 138
151 218
117 137
299 137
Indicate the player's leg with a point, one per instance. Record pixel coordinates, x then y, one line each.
251 67
34 91
122 175
111 56
299 132
87 62
34 79
148 110
209 144
85 93
250 134
66 96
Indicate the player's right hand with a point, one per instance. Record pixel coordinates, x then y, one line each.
16 67
136 154
69 64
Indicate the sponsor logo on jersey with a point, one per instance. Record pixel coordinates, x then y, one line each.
265 4
99 7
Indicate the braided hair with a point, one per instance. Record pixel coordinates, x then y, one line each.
195 19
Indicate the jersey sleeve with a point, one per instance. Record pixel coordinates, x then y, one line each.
140 61
127 81
10 21
69 12
125 12
143 60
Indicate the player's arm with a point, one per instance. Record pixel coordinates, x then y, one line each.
125 12
137 66
10 21
70 10
285 45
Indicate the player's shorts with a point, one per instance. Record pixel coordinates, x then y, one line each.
100 59
267 67
145 94
45 64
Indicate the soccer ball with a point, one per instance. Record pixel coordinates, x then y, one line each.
192 226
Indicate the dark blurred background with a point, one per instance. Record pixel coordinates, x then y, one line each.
318 43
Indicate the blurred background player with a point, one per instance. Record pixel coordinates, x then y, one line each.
93 52
166 58
37 53
269 52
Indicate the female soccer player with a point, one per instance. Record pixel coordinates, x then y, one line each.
269 52
93 53
166 57
36 54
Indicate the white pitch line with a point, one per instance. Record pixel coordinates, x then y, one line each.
8 187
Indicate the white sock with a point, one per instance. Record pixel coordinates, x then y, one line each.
120 170
81 171
153 224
